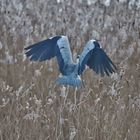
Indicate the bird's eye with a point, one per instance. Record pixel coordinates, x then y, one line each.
78 56
62 47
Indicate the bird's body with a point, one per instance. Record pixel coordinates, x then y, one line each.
93 56
71 76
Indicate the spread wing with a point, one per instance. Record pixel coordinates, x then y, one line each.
56 46
95 58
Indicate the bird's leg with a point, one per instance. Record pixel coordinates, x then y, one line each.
64 111
64 93
75 96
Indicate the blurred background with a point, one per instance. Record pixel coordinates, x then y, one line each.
33 107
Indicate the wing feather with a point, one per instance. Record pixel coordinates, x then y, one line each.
95 58
65 51
57 46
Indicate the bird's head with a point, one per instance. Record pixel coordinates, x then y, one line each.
77 59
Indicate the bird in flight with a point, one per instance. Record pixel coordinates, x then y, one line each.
92 56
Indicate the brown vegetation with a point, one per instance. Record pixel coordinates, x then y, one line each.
33 107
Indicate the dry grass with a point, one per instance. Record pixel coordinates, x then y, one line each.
33 107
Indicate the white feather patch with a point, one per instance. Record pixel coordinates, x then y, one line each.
63 44
89 46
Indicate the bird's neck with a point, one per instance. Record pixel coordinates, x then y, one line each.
77 60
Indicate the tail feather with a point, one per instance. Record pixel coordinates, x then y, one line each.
68 80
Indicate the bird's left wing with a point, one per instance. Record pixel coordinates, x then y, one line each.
95 58
56 46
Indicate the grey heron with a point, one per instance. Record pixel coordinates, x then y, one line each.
92 56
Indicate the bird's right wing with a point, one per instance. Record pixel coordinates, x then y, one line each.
95 58
56 46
